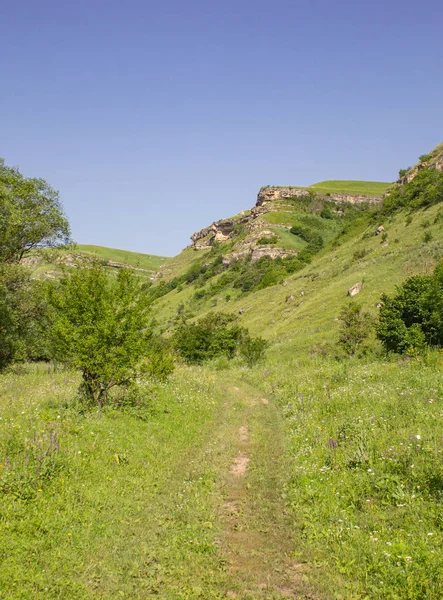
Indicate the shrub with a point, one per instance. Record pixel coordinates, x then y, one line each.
214 335
99 325
313 238
426 189
413 317
355 328
427 237
326 213
253 349
359 254
263 241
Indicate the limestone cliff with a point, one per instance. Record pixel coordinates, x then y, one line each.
224 229
268 194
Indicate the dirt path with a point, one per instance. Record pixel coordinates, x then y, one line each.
257 540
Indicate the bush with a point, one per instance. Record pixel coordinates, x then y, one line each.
313 238
426 189
99 325
214 335
253 349
263 241
355 328
22 314
413 318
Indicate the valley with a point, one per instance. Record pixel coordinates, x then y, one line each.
312 472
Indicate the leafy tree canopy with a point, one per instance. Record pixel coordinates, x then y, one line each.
100 325
413 317
31 215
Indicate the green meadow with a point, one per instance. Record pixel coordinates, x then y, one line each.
310 474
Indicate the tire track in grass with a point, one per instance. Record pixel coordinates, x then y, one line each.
256 540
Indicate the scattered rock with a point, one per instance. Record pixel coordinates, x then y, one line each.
355 289
242 311
379 230
290 298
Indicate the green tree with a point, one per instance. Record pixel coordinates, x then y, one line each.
413 317
216 334
31 215
100 326
355 328
22 312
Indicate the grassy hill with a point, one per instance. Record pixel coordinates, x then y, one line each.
363 188
149 262
310 475
48 263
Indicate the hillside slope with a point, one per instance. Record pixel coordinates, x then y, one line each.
48 263
259 265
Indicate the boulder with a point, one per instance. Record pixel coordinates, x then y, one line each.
355 289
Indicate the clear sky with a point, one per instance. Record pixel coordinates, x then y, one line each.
155 118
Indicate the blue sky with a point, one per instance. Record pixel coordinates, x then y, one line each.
154 119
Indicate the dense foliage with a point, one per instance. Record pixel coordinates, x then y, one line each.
424 190
355 328
253 349
313 238
413 317
100 326
216 334
22 315
31 215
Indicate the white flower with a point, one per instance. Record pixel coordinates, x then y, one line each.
418 437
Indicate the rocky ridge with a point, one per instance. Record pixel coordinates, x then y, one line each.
221 231
268 194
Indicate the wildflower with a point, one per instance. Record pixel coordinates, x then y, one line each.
418 437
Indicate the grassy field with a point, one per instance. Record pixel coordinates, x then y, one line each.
144 500
365 488
363 188
307 476
149 262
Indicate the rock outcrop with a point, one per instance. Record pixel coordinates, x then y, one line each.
269 194
434 160
219 231
255 253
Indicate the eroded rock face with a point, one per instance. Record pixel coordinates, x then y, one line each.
256 253
280 193
219 231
